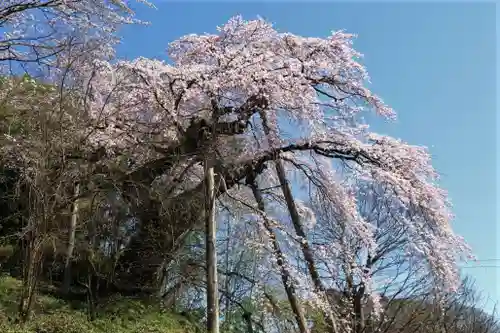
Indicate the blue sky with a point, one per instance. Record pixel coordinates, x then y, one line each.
435 64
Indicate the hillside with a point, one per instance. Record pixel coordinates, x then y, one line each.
52 315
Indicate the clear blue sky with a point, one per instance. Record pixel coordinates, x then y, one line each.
435 64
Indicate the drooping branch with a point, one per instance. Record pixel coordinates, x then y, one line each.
280 259
307 251
183 213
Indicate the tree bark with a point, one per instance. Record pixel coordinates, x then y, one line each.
359 313
168 299
227 279
280 260
211 251
71 241
31 271
248 320
359 294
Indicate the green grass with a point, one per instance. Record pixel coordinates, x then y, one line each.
52 315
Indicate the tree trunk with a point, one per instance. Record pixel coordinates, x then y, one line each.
359 314
71 242
285 274
359 310
299 230
248 320
227 279
168 299
31 271
211 251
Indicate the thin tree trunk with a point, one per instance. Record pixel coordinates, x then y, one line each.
91 294
299 230
168 299
280 260
248 320
30 280
71 241
359 313
34 287
211 251
227 282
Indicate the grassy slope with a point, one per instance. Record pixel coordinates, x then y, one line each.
52 315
